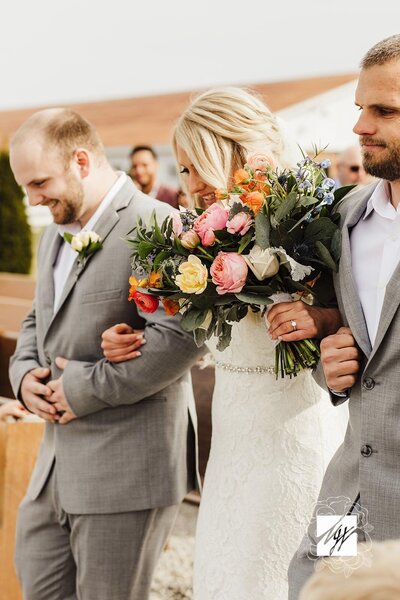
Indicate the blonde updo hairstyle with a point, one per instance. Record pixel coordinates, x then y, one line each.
220 128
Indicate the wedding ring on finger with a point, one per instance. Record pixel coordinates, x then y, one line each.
294 325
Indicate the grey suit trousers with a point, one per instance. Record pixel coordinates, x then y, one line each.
61 556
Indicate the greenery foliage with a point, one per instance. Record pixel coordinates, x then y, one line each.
15 233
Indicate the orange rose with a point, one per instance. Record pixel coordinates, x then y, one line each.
171 306
263 187
255 200
155 279
135 283
221 194
240 176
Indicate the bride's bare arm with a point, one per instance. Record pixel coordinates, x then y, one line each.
292 321
121 343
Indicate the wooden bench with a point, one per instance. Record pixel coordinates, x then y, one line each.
8 341
13 311
19 445
17 285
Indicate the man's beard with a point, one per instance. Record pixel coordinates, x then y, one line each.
71 204
386 168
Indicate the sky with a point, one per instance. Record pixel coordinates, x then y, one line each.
63 51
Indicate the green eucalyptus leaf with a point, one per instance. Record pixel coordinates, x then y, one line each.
308 200
325 255
232 314
225 337
286 207
258 289
253 299
245 241
291 182
144 249
320 229
341 192
161 256
200 337
262 229
192 319
157 232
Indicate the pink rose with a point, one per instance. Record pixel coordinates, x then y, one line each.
177 226
212 219
229 272
240 223
260 162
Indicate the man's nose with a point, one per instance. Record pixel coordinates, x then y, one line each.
364 125
35 198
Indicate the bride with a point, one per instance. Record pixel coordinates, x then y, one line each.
271 438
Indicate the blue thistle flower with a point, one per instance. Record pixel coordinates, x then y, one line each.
328 183
325 163
329 198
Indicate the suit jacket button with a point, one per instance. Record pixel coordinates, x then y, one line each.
366 450
369 383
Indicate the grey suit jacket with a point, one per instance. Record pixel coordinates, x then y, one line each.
132 446
368 462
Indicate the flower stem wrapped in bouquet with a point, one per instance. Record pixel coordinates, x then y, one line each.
275 232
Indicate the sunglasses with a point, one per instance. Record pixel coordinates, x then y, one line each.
354 168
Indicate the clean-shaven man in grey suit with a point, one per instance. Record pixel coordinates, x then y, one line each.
118 453
361 362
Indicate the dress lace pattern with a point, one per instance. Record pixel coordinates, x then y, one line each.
271 443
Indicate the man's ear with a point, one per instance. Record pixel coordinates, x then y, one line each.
82 159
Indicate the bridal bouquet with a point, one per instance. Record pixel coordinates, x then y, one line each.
274 236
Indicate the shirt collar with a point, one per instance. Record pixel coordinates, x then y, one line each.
108 198
380 202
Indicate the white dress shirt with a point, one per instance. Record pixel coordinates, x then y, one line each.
66 255
375 253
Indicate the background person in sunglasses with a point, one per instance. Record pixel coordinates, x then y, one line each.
350 169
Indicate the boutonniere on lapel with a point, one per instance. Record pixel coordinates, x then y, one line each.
85 244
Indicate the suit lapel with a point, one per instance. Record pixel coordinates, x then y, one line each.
351 301
103 228
47 277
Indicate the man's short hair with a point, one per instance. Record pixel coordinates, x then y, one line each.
383 52
150 149
64 129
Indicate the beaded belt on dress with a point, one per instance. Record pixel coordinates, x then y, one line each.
237 369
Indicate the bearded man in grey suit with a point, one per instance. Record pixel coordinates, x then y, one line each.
361 362
118 453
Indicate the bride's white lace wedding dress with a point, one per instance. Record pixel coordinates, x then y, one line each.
271 442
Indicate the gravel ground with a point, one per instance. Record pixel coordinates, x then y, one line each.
173 576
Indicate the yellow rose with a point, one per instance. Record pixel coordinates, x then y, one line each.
193 277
